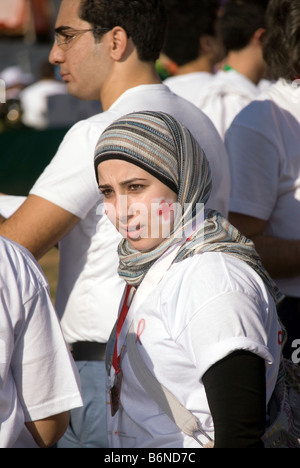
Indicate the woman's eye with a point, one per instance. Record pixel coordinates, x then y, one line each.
135 187
106 192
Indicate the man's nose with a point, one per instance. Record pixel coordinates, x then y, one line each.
56 55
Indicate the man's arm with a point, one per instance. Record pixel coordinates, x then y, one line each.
280 257
38 225
48 431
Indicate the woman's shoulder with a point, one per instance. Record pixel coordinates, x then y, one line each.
213 288
211 274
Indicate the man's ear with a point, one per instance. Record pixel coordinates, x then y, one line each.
119 43
257 38
205 44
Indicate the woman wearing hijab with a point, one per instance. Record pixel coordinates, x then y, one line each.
198 303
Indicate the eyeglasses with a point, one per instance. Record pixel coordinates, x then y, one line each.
63 37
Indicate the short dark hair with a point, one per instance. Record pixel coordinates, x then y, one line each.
188 20
240 20
143 20
281 47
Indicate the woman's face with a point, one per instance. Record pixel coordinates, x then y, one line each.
138 204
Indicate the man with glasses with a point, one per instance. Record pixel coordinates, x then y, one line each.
106 50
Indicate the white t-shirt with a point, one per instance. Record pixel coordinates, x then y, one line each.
263 145
189 85
228 93
204 308
89 288
38 377
9 204
34 102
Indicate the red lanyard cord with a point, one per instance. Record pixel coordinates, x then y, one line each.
121 320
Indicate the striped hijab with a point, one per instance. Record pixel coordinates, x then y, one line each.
165 148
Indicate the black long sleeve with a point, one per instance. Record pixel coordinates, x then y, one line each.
236 393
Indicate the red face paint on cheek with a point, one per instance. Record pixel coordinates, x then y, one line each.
165 210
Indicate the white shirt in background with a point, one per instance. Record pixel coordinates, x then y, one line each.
228 93
189 85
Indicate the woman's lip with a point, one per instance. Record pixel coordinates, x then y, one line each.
134 232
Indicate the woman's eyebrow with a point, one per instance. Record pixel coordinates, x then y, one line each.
124 183
131 181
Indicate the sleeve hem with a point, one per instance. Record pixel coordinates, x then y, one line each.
57 201
221 350
53 407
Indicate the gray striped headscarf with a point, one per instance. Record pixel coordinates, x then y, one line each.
163 147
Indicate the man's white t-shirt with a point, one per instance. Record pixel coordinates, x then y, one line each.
89 289
264 151
38 377
228 93
204 308
189 85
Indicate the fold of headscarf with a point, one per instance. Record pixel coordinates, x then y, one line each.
163 146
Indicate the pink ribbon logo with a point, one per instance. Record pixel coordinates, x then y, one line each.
140 330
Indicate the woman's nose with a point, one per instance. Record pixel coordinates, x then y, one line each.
122 208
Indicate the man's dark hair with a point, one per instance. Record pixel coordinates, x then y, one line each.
240 20
143 20
281 47
188 20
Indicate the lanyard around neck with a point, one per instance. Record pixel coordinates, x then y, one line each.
227 68
123 314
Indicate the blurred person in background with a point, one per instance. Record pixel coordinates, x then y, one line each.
15 81
237 84
34 101
193 42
